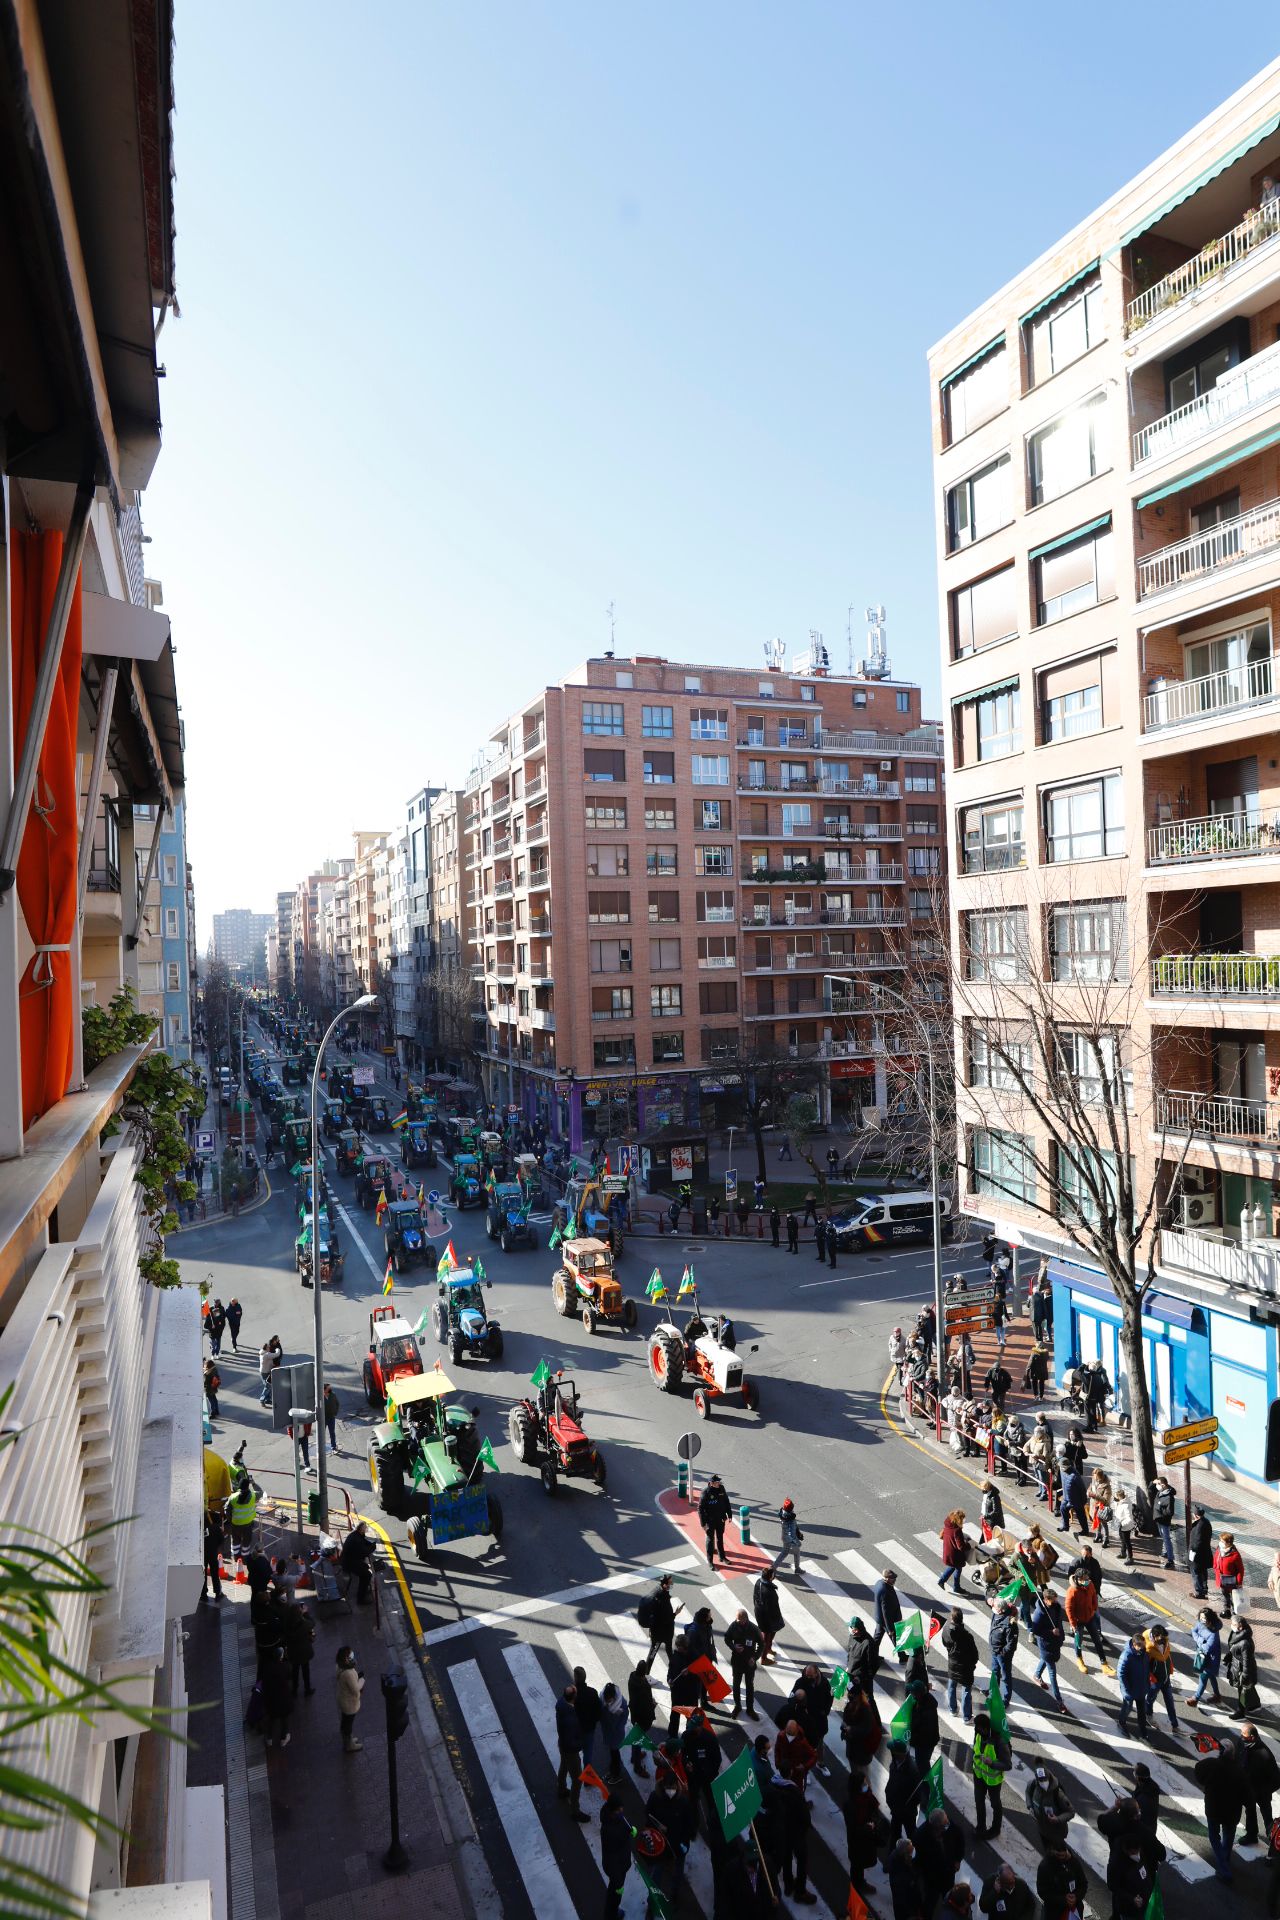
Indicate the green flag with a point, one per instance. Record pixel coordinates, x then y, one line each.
737 1796
659 1905
422 1322
1016 1585
655 1289
419 1469
637 1737
540 1375
554 1241
909 1633
486 1455
935 1785
900 1725
1155 1905
477 1269
996 1708
839 1684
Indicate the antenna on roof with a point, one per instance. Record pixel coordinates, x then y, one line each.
876 665
775 652
848 634
609 613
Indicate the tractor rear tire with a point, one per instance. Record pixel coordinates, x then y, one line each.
589 1320
666 1362
615 1242
457 1347
522 1435
488 1226
495 1517
701 1403
370 1386
548 1476
504 1240
441 1322
601 1471
629 1314
751 1396
561 1297
420 1536
493 1345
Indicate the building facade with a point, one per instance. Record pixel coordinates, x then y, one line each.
455 1025
1107 468
240 940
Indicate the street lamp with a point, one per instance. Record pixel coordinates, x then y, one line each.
317 1291
877 991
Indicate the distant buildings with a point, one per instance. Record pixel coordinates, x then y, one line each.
240 941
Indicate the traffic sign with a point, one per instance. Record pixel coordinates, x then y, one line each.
966 1319
1190 1449
1193 1430
204 1143
689 1445
962 1294
615 1183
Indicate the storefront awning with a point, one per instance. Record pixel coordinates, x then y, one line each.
1155 1306
1076 533
1202 179
1185 480
1060 293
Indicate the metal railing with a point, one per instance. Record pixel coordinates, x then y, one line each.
1228 544
1254 1268
1236 976
1180 702
1218 836
1217 1116
532 741
1246 388
993 859
918 740
1259 226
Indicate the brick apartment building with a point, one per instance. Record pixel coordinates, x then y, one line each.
1107 463
662 861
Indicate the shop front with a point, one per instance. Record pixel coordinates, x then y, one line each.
606 1109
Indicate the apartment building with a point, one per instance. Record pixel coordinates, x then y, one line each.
282 974
664 861
1107 465
240 938
455 992
411 929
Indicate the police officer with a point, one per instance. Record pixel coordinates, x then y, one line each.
713 1512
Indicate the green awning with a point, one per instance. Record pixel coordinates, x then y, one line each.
987 693
1065 539
991 347
1059 293
1220 165
1186 480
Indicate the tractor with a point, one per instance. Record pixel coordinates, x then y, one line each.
393 1354
373 1176
546 1433
302 1190
461 1322
705 1353
333 1119
507 1219
346 1150
585 1283
403 1235
331 1261
465 1186
425 1467
595 1207
416 1148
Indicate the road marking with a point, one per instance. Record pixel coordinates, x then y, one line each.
356 1240
579 1652
548 1893
634 1642
568 1596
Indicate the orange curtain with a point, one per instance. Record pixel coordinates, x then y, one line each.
47 859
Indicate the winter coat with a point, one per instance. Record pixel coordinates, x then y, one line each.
1049 1807
640 1702
1241 1659
955 1544
662 1620
924 1734
766 1605
588 1705
1160 1660
713 1508
742 1638
1131 1881
862 1817
992 1509
1002 1636
902 1783
1200 1543
907 1889
701 1751
1018 1903
939 1857
568 1727
1081 1603
1208 1644
793 1757
613 1721
1261 1769
1062 1885
888 1606
615 1844
1221 1780
349 1685
1049 1630
789 1520
861 1729
1133 1671
1228 1568
861 1661
277 1687
700 1638
962 1652
1074 1455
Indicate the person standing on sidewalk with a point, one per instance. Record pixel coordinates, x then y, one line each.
793 1231
215 1321
714 1513
775 1225
820 1237
1163 1505
1207 1636
569 1746
768 1611
1228 1571
1200 1552
277 1698
332 1408
1125 1518
789 1521
214 1541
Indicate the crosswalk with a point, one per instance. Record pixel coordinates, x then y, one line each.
508 1685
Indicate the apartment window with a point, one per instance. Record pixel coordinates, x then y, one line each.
1073 573
920 901
149 977
757 773
794 773
605 816
623 679
710 769
980 504
1093 1060
1070 699
999 1060
717 996
1002 1165
603 908
660 862
660 818
607 861
1087 941
667 1048
984 612
602 716
1086 1183
523 1000
755 730
764 689
664 908
611 1003
1085 822
922 819
707 860
172 981
903 702
599 764
717 950
169 870
992 837
919 781
796 860
1235 666
144 810
709 723
797 817
664 955
617 1050
714 815
171 928
665 1001
1064 331
715 903
658 723
692 683
610 956
1068 452
999 723
996 944
977 394
659 768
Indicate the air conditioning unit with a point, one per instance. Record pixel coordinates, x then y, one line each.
1199 1209
886 766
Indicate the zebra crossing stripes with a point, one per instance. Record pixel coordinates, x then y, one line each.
634 1641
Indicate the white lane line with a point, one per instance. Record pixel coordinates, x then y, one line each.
579 1652
356 1240
525 1609
548 1893
634 1641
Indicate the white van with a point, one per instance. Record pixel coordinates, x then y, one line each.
885 1219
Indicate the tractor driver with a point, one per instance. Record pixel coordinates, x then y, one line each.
694 1327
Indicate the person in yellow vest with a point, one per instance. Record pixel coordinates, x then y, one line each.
242 1510
988 1777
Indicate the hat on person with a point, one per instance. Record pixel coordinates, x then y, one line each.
786 1504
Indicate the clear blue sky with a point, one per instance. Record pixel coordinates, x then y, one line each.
500 310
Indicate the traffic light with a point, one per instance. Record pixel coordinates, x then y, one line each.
1271 1463
395 1693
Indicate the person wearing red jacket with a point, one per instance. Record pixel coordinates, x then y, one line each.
955 1548
793 1755
1228 1569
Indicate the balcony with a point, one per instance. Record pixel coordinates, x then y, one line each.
502 889
477 970
537 834
543 1020
1232 543
505 1014
1181 703
1217 1255
541 973
1214 261
536 786
474 859
531 743
818 874
539 877
1217 1117
826 917
1245 390
501 848
501 805
1214 976
540 925
1219 836
920 740
504 972
1000 859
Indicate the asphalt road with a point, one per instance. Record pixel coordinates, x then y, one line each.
815 1341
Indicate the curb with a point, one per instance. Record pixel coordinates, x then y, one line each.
254 1206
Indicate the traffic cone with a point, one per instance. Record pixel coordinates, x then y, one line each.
242 1575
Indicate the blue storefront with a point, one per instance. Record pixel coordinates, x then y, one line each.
1200 1359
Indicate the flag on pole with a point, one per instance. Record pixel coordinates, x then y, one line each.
656 1288
909 1633
381 1207
856 1909
486 1454
996 1708
937 1621
1155 1905
540 1375
839 1684
718 1687
659 1905
388 1278
423 1322
422 1198
900 1725
686 1283
401 1119
590 1778
447 1262
935 1785
1016 1585
606 1166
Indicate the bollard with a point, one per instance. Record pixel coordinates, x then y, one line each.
682 1479
744 1525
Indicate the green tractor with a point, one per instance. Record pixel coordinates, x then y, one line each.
425 1468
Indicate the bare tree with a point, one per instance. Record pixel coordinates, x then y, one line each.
771 1078
456 1001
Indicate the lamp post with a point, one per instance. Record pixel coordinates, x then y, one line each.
317 1291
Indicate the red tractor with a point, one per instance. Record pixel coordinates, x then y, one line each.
546 1433
393 1352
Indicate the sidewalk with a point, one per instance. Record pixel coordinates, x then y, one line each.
307 1825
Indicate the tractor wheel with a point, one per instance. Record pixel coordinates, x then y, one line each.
420 1536
457 1347
701 1403
488 1225
615 1242
523 1438
589 1317
370 1386
751 1396
495 1517
548 1474
601 1472
666 1362
493 1344
561 1297
629 1314
441 1323
504 1240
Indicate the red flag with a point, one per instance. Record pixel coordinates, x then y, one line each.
673 1764
718 1687
937 1621
590 1778
857 1907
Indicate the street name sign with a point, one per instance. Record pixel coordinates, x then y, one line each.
1190 1449
1193 1430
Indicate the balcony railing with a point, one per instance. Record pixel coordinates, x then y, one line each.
536 834
1212 976
504 971
1254 1269
1218 836
993 859
539 877
541 972
1258 227
1181 702
1218 1117
532 741
1229 544
532 788
501 889
1248 387
502 847
543 1019
919 740
540 924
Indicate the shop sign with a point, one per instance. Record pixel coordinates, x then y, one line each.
564 1088
853 1069
592 1097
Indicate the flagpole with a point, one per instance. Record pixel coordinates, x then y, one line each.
773 1892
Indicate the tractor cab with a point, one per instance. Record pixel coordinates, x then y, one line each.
393 1354
291 1071
346 1150
302 1190
416 1147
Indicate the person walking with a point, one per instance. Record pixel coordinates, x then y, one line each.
1002 1645
1048 1806
267 1362
657 1615
1082 1617
273 1677
793 1231
702 1755
962 1663
1241 1663
714 1513
643 1710
1261 1782
901 1790
613 1728
332 1408
990 1509
1049 1630
1005 1897
212 1381
1163 1507
955 1548
742 1638
1131 1873
1160 1673
926 1729
862 1819
615 1853
998 1382
348 1688
1206 1637
1200 1552
860 1658
990 1760
215 1321
768 1612
1125 1519
789 1522
299 1646
820 1237
1221 1779
587 1705
1228 1571
888 1611
235 1314
1037 1371
569 1750
775 1225
940 1851
1133 1673
1062 1882
1000 1313
861 1728
214 1541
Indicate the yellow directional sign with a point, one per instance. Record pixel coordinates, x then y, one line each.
1190 1449
1194 1430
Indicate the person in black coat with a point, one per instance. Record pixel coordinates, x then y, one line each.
1262 1780
962 1662
905 1883
643 1710
901 1789
1005 1897
768 1611
940 1851
1062 1881
615 1853
742 1638
662 1620
888 1608
924 1727
861 1728
1131 1876
1220 1777
791 1811
862 1822
1200 1552
669 1810
714 1513
277 1697
588 1701
700 1751
860 1658
686 1691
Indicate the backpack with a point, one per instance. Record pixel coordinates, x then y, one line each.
644 1613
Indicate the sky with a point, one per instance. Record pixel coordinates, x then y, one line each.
497 312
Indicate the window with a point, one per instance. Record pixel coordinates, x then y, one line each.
980 504
605 907
921 903
664 955
918 780
1071 701
623 679
660 861
1085 822
999 718
659 768
717 950
797 817
996 944
171 929
664 1001
1068 452
611 1003
1234 667
715 903
660 818
983 613
904 702
1000 1060
1087 942
1064 330
709 723
658 723
692 683
602 716
715 816
169 873
710 770
610 956
172 980
992 837
717 996
667 1047
707 860
1002 1165
664 909
1086 1183
922 819
618 1050
757 773
1074 575
1093 1060
755 731
598 763
149 977
977 394
765 689
923 862
607 861
606 815
794 773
